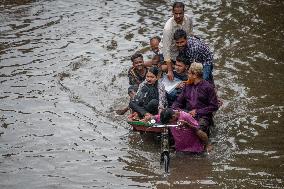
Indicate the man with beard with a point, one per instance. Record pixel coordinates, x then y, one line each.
195 50
198 98
180 20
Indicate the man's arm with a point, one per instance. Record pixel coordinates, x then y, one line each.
167 40
180 102
190 122
206 58
162 96
207 72
148 63
170 73
208 66
133 80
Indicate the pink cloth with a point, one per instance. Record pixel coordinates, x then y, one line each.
186 139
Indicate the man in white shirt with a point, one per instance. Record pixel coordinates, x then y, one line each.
178 21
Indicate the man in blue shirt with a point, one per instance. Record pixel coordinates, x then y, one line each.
195 50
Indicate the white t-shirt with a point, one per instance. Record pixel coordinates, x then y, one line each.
169 48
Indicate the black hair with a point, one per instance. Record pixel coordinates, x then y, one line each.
180 33
182 58
136 55
166 115
154 70
178 5
155 37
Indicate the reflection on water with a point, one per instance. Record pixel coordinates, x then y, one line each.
63 69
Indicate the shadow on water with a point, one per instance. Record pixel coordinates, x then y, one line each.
64 70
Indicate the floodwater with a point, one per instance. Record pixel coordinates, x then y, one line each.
63 70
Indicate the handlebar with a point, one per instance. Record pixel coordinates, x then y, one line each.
153 123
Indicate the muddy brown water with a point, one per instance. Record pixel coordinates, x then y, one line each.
63 68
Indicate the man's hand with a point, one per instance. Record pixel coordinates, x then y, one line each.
147 117
185 124
170 75
180 85
192 112
170 70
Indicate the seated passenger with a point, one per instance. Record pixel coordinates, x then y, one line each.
157 57
151 95
181 73
198 98
155 45
136 75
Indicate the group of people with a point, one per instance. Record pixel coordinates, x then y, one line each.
179 55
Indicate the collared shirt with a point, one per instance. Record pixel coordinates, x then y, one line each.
181 76
134 77
199 51
169 48
201 97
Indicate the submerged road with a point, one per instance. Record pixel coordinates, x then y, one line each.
63 69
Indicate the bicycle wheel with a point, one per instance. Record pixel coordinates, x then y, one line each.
166 162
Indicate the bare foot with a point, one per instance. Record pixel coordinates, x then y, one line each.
122 111
133 117
209 148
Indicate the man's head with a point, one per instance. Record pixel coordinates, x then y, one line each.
156 59
195 71
182 64
137 61
154 44
178 12
168 116
180 38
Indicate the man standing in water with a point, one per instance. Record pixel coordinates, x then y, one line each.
178 21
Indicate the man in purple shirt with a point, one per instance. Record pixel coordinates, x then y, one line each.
187 137
198 98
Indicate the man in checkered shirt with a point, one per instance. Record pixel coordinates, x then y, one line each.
196 51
